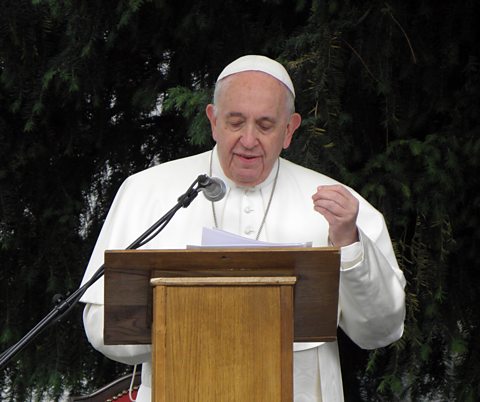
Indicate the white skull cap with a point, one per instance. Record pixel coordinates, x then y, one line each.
258 63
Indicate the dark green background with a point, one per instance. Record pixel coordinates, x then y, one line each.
92 91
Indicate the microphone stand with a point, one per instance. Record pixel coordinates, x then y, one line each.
63 307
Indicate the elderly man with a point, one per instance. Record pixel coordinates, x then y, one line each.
268 198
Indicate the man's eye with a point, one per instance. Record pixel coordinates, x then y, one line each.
265 127
236 124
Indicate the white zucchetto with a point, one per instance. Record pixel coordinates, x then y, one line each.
259 63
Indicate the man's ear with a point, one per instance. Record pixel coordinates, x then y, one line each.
293 124
212 118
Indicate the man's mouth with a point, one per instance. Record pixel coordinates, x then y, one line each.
248 157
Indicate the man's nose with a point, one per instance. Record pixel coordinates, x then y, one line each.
249 137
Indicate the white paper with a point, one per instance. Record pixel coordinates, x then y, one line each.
212 237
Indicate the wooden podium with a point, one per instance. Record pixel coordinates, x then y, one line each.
221 321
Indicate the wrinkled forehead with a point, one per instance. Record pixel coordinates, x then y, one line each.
258 63
251 90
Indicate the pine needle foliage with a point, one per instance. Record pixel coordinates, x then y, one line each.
91 92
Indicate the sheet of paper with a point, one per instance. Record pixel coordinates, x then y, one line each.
219 238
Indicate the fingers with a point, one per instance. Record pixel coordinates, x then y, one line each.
340 209
334 201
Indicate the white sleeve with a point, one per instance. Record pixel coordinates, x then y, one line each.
127 354
114 235
371 294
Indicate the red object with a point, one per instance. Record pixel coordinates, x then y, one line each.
116 391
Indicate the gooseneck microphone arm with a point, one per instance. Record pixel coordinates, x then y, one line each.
63 306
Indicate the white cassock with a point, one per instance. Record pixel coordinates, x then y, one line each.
371 295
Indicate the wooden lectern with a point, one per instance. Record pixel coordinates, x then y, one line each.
221 321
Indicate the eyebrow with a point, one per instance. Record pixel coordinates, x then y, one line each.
261 119
234 114
266 118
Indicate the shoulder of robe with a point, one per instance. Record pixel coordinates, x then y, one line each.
183 170
305 175
311 179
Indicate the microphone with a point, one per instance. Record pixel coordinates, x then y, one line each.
213 188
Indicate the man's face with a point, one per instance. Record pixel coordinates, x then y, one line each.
251 125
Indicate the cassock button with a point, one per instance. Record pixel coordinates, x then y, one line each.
248 230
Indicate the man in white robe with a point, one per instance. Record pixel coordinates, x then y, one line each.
268 198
